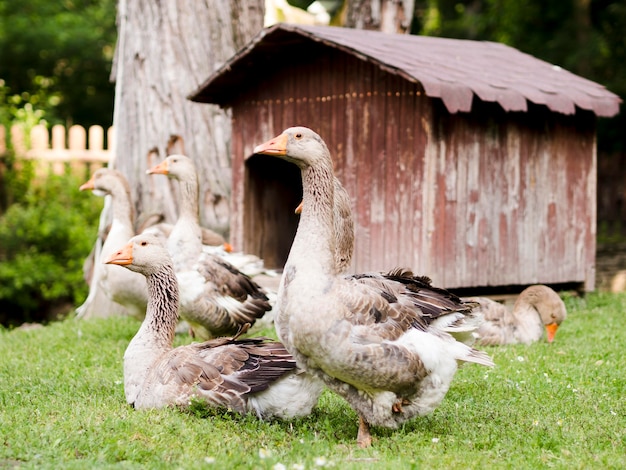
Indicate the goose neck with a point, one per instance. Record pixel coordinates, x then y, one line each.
162 309
122 208
315 239
189 207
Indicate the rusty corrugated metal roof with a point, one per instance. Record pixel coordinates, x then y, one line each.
451 69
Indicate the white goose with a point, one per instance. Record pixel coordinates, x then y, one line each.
246 375
120 285
216 298
371 347
537 309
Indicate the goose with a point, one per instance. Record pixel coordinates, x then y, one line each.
537 308
121 285
374 349
255 375
216 298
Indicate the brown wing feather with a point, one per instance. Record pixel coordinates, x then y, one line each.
248 300
403 300
255 362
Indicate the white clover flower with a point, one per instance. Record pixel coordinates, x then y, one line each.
435 440
279 466
209 460
520 358
297 466
320 461
264 453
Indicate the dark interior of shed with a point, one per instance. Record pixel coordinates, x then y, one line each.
273 190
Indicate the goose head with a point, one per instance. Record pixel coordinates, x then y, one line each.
549 306
144 253
299 145
179 167
106 181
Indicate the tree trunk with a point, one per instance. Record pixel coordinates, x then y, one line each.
165 50
389 16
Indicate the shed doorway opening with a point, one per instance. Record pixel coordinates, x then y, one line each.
273 190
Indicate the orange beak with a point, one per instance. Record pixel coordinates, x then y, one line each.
298 209
122 257
88 185
275 146
228 248
160 169
551 331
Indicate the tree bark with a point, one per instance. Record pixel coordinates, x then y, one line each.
389 16
165 50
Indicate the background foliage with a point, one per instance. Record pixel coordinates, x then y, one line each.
44 237
57 56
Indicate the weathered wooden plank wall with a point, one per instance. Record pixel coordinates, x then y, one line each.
527 210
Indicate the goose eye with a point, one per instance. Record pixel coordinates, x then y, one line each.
298 135
144 243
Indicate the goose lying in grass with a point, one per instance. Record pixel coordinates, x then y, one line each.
216 298
537 309
120 285
246 375
375 349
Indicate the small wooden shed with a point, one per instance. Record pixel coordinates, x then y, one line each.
470 162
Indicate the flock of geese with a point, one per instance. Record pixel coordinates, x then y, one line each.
388 343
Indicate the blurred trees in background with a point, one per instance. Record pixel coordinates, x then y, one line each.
55 61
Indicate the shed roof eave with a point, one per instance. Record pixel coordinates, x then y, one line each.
466 66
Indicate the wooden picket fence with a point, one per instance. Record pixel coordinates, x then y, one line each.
60 150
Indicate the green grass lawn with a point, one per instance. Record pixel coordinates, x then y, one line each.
561 405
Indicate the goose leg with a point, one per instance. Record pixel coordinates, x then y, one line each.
363 438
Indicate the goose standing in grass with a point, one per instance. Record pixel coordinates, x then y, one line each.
537 309
120 285
246 375
216 298
374 349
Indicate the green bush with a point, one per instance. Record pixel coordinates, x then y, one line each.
44 239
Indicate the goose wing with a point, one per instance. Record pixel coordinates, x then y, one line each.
222 372
422 304
227 298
